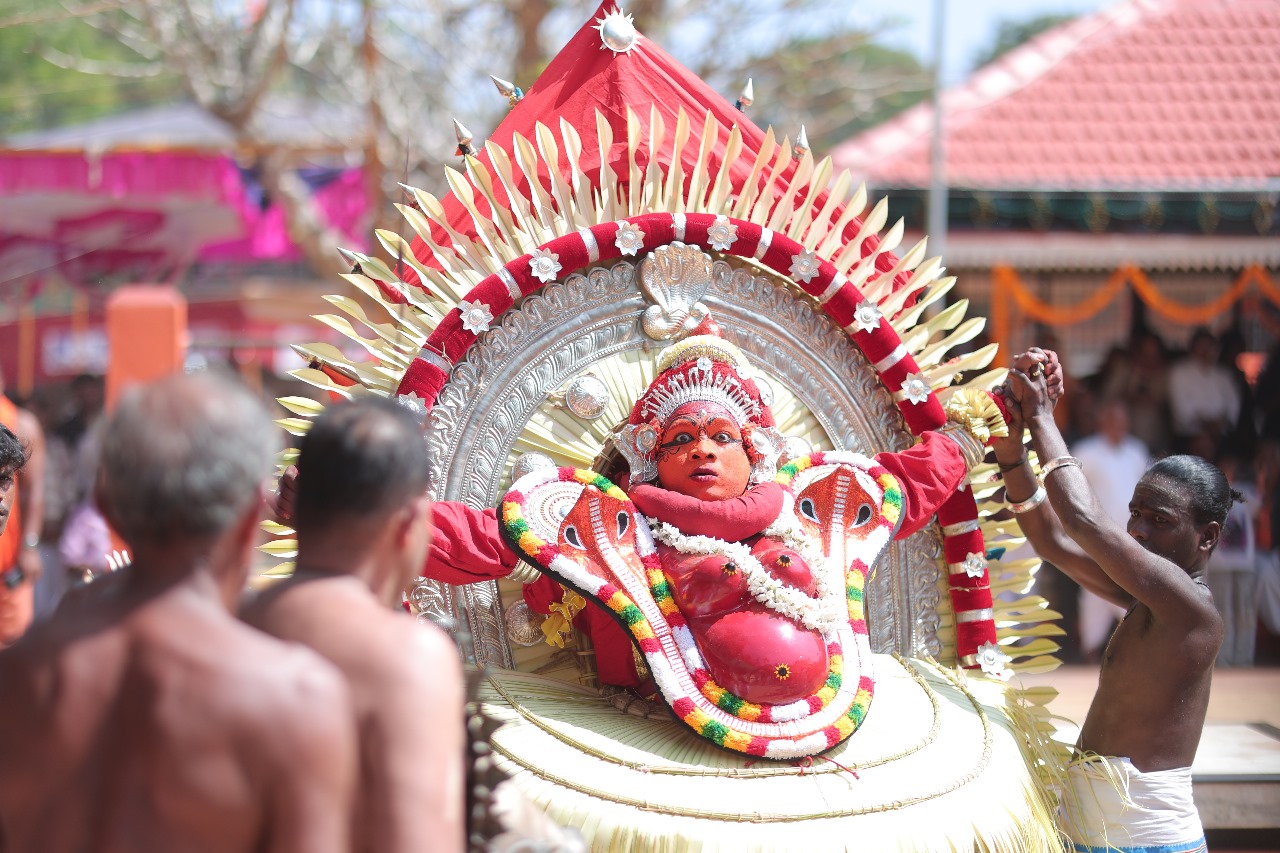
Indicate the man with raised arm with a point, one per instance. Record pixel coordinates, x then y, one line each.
145 716
363 524
1130 785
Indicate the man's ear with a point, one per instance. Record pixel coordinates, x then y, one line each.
1209 536
415 512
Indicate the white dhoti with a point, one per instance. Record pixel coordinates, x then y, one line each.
1111 805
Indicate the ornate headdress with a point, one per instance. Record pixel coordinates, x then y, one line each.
703 368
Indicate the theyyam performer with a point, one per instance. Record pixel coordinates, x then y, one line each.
655 352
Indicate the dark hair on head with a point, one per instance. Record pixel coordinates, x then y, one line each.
13 455
360 459
1211 493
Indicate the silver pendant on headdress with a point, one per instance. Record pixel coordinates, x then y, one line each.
674 278
768 442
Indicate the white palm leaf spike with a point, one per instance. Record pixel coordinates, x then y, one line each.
504 224
783 208
518 206
653 169
494 252
803 216
673 188
751 187
818 224
418 321
584 209
607 192
563 222
635 178
765 198
850 256
542 206
699 180
906 320
835 237
718 201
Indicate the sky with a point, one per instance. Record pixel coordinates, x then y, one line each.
971 25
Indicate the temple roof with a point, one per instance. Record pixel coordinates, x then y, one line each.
1149 95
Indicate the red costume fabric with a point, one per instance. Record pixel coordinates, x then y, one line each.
466 546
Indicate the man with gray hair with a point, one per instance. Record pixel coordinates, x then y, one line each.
145 716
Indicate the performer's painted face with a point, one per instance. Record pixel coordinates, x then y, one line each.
701 454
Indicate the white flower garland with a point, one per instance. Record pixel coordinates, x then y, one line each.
822 613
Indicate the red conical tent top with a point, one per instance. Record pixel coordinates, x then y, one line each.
587 78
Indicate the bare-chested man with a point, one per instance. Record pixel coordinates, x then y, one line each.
146 716
363 524
1144 725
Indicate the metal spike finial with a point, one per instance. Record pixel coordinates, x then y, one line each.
351 258
464 138
746 98
513 93
801 147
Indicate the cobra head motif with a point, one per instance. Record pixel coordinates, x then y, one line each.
674 278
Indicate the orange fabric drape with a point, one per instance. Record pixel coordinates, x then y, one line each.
1008 292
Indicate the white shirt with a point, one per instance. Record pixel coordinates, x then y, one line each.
1113 470
1201 393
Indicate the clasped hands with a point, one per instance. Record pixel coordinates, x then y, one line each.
1033 387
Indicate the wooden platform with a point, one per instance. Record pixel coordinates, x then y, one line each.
1237 768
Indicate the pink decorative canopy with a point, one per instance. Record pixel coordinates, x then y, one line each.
84 217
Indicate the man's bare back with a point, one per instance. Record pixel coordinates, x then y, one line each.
363 524
161 723
143 715
406 686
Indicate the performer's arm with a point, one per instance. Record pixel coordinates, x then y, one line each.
466 545
731 520
929 473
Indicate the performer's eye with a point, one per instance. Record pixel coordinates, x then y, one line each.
809 510
571 536
864 515
624 523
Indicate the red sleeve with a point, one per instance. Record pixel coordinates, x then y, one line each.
466 546
542 593
731 520
929 474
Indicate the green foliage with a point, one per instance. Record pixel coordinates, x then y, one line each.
1013 33
36 93
837 87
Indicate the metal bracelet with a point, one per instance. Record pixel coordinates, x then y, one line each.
1013 466
1030 503
1060 462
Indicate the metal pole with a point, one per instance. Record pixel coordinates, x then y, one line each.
936 227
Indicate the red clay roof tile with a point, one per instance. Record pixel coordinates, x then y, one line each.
1151 94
